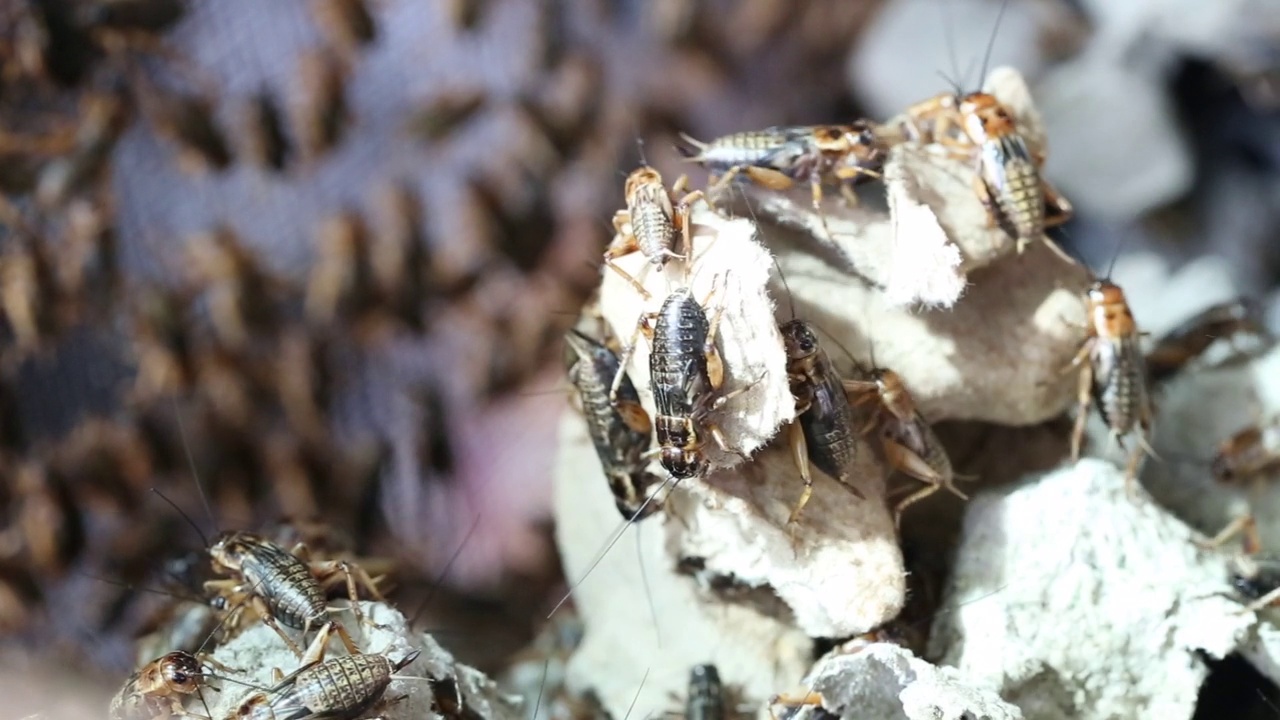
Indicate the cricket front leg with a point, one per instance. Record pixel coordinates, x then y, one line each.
860 392
850 197
177 711
851 175
301 551
356 575
220 667
226 594
794 701
815 189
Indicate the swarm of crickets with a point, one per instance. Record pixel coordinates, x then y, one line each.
240 655
763 379
765 372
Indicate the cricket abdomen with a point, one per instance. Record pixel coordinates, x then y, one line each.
1014 181
1119 387
287 585
677 365
654 231
343 687
828 428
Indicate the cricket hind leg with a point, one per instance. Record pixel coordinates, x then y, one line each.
243 599
356 577
983 192
642 328
684 211
345 636
627 246
910 500
1084 402
1265 601
715 362
1243 524
800 454
1057 209
264 613
903 460
1131 483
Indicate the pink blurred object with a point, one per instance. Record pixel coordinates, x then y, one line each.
488 511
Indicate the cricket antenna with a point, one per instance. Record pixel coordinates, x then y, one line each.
1187 459
636 699
200 694
233 612
991 42
921 623
639 136
542 686
951 82
640 149
1267 700
844 349
445 572
954 79
644 580
1114 256
231 680
139 588
791 300
670 482
191 462
204 538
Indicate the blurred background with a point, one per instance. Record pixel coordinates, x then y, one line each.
319 254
